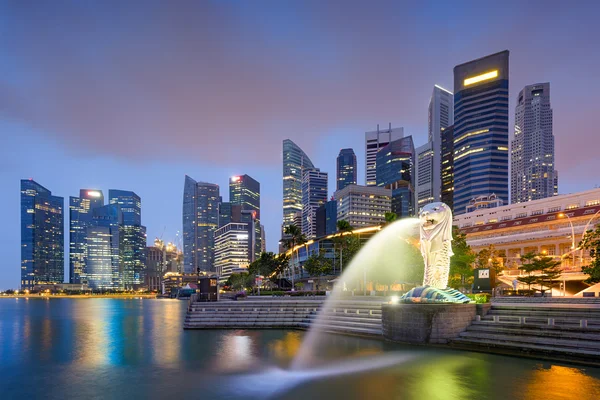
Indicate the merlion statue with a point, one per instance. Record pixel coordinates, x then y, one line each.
436 243
436 249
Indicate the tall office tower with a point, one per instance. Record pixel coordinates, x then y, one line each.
363 206
532 148
224 213
314 194
245 192
42 237
395 167
235 244
263 239
555 183
424 191
447 173
200 221
429 156
374 141
294 163
480 129
346 169
133 236
80 218
104 248
327 218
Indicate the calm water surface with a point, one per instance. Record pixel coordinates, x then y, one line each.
129 349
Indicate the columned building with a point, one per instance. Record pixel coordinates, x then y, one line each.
346 169
363 206
294 163
81 211
375 141
200 221
42 237
480 129
314 194
532 148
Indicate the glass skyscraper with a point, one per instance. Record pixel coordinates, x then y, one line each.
314 194
395 171
244 191
294 163
447 172
200 221
104 249
42 237
346 169
481 129
133 237
80 218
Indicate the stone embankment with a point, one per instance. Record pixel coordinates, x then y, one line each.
348 317
557 330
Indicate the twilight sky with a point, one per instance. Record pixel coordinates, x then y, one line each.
133 95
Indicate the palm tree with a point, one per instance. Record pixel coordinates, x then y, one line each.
343 227
294 238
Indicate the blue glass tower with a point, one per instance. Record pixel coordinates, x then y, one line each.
395 171
80 218
42 237
480 129
133 237
104 248
346 169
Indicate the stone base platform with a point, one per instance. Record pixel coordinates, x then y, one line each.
426 323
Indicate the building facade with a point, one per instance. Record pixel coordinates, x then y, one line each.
480 129
294 163
244 191
374 141
346 169
234 246
42 236
447 172
133 236
327 218
363 206
424 174
314 194
104 249
81 211
482 202
532 147
395 168
200 221
161 259
553 226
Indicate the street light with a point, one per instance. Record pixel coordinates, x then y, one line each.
562 215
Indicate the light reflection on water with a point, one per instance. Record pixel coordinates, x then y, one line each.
113 348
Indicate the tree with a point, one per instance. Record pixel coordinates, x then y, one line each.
318 265
239 281
591 242
542 270
341 241
294 238
461 270
390 217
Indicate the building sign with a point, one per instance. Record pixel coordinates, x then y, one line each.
484 274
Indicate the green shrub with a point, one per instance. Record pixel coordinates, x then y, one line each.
480 298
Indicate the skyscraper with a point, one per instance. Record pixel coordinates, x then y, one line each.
235 245
314 194
104 249
374 141
395 167
200 220
346 169
447 173
133 236
294 163
363 206
532 149
42 237
429 156
481 129
244 191
81 211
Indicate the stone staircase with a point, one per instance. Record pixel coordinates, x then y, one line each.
564 331
348 317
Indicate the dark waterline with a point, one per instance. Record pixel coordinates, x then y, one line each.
133 348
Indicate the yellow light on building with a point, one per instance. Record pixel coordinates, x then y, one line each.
480 78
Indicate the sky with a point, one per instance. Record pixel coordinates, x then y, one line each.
134 95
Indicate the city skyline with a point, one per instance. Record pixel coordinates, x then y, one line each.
57 147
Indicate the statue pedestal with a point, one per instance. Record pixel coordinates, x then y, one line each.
426 323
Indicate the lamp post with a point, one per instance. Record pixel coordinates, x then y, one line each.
562 215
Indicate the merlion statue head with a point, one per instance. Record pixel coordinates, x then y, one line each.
436 225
